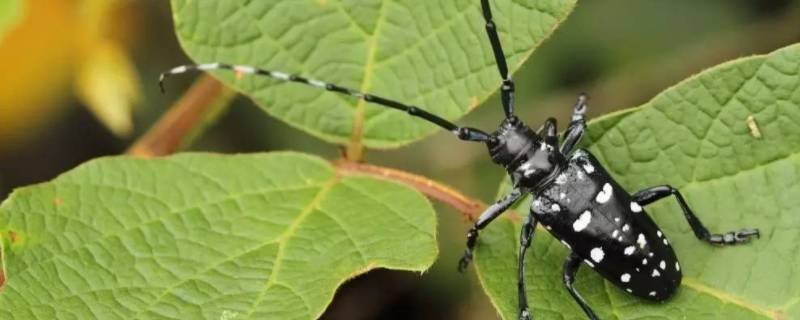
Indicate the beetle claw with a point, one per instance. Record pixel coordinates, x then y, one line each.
734 237
463 263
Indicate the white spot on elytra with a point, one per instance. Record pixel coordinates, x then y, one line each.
652 293
604 195
655 273
635 207
644 261
555 207
562 195
629 290
677 266
566 244
582 221
650 254
597 254
619 238
629 250
625 278
641 241
616 219
588 167
561 179
659 233
663 265
666 242
548 227
626 227
637 269
615 233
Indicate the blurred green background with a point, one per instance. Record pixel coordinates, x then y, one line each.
79 81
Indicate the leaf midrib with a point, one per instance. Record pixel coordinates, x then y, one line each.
357 134
283 239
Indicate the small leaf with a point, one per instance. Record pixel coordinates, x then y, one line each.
200 236
696 137
434 54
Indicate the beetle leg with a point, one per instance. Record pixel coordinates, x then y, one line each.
576 127
571 266
486 217
525 240
653 194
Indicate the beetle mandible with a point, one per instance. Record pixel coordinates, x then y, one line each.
575 198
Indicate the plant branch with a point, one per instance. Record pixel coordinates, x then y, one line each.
170 132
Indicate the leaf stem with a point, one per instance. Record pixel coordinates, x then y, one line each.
469 207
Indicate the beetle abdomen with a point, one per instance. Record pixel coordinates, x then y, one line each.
596 218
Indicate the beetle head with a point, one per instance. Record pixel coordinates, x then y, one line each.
523 153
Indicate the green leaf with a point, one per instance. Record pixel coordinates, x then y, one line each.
10 13
433 54
201 236
697 137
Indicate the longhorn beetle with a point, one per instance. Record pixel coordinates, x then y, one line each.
575 198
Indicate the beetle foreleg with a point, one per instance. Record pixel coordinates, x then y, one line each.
653 194
571 266
525 239
486 217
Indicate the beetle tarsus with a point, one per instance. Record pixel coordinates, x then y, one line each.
463 263
734 237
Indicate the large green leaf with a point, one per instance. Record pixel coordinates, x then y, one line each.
200 236
434 54
734 172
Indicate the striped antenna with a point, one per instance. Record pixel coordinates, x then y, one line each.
469 134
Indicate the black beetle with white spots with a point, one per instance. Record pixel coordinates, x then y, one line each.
575 198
